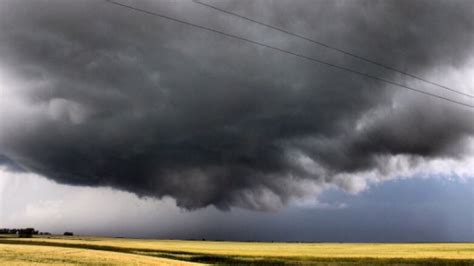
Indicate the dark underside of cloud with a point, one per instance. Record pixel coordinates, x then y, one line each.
100 95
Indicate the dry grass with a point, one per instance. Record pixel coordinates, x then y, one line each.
44 255
237 252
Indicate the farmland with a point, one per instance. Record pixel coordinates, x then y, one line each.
44 255
116 251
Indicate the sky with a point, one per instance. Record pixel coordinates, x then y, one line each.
119 122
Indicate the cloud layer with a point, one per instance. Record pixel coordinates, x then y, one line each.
97 95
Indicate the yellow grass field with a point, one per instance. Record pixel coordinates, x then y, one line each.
117 251
44 255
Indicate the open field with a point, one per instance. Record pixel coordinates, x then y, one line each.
44 255
114 251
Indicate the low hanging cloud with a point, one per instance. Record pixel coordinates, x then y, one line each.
97 95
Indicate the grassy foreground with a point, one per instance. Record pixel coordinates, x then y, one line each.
120 251
44 255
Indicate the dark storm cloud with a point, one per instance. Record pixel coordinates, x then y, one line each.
9 164
105 96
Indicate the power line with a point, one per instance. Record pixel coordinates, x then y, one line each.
288 52
333 48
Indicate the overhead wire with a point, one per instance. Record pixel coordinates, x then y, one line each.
289 53
328 46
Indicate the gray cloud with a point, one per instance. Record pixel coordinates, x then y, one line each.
99 95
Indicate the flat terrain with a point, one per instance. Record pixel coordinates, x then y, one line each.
115 251
44 255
